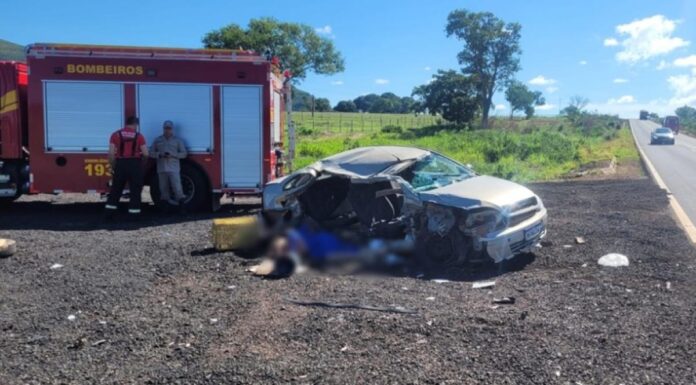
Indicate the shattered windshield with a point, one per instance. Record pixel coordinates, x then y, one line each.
435 171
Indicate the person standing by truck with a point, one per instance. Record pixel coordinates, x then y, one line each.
127 152
169 150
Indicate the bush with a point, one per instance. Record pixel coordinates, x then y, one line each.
305 131
392 129
312 150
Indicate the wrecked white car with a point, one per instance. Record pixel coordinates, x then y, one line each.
451 214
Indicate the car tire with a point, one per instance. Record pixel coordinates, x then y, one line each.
194 184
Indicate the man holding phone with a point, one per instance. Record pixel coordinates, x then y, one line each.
168 150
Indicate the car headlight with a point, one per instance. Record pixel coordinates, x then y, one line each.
483 222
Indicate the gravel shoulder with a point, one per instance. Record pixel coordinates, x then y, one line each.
152 304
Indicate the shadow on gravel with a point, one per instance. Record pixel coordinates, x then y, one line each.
87 216
472 273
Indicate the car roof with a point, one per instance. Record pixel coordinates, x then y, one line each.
368 161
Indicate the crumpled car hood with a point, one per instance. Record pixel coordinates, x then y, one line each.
478 191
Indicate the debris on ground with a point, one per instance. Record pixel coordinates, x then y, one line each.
440 280
613 260
504 300
97 343
7 247
483 285
580 240
386 309
56 266
71 317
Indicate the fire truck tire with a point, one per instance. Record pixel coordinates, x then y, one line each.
195 187
7 200
7 247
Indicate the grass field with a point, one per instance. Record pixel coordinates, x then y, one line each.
355 122
539 149
352 122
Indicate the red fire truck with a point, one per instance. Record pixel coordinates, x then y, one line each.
58 110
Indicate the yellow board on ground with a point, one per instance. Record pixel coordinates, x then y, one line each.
236 233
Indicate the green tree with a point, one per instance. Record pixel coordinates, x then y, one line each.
687 115
298 46
491 52
345 106
575 109
407 105
301 100
523 99
364 103
322 105
449 94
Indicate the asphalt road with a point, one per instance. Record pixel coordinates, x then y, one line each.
676 164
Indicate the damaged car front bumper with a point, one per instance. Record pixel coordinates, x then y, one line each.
520 238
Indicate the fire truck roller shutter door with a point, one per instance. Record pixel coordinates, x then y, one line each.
82 115
189 106
241 136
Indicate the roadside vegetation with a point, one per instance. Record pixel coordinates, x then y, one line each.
687 117
519 150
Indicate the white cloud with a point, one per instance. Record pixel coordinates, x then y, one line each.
610 42
646 38
499 107
583 62
545 107
542 81
325 30
626 99
551 90
684 87
688 61
337 82
381 81
663 64
427 68
620 80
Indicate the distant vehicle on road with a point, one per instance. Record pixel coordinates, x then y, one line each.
672 122
662 135
643 115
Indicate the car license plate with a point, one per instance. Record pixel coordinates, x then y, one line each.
534 231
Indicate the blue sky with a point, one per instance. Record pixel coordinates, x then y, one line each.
622 55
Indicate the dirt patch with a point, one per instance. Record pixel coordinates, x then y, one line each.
609 169
143 296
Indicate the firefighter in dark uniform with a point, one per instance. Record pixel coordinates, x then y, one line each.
127 154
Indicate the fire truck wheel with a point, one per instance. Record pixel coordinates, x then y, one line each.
7 200
194 184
